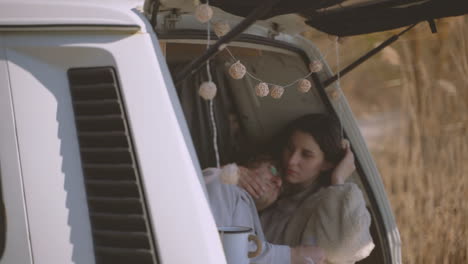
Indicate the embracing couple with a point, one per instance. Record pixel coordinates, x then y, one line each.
295 197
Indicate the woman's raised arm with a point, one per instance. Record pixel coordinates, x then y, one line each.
345 167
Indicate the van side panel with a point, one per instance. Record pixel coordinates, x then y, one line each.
184 227
54 189
17 245
60 231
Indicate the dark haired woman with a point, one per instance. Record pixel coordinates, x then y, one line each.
317 206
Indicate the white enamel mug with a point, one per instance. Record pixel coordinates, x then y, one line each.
235 241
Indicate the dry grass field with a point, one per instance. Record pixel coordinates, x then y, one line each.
421 82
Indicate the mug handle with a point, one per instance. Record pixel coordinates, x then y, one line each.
259 246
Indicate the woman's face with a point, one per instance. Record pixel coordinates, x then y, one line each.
303 160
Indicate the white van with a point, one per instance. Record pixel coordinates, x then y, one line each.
101 153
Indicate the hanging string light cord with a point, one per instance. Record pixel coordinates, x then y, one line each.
208 71
325 55
212 118
259 80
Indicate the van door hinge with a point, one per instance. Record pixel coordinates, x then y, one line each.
171 19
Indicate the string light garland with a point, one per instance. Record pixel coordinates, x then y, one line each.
304 85
208 90
237 70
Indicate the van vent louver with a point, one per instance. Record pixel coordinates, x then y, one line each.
120 226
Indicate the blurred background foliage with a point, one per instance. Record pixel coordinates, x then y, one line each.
411 101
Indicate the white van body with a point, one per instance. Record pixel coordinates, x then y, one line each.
47 207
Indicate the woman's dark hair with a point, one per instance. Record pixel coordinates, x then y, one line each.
255 158
326 131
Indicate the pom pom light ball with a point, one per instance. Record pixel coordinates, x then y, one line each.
237 70
262 90
221 28
304 86
316 66
230 174
203 13
277 91
207 90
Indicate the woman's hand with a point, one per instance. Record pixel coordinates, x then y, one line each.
345 168
307 255
252 183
